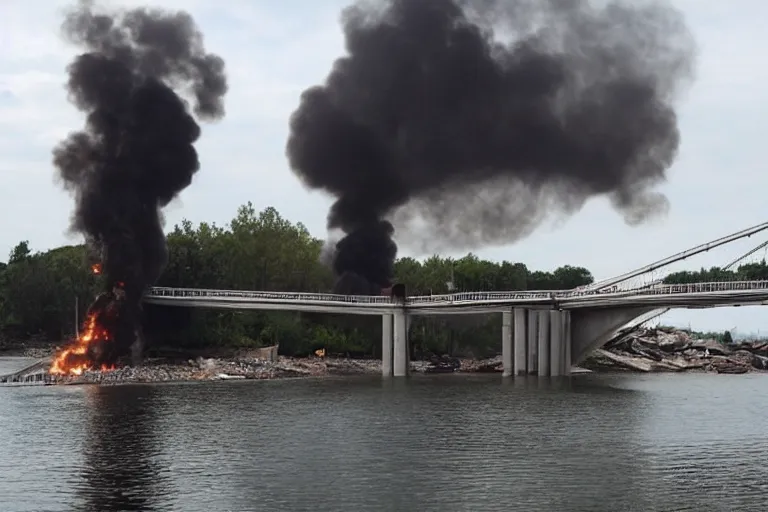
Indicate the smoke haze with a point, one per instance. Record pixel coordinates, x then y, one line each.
467 123
136 151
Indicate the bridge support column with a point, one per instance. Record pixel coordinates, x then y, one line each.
401 357
387 345
555 342
543 341
560 343
567 342
507 356
533 342
521 341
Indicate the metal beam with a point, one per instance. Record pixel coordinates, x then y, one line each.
744 233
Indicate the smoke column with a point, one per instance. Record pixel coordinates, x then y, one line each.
136 152
467 123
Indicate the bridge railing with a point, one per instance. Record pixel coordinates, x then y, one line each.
717 286
462 297
190 293
481 296
658 289
356 299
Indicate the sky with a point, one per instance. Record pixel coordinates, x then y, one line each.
275 50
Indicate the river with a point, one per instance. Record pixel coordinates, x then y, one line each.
444 443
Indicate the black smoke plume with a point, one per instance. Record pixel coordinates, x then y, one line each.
136 152
466 123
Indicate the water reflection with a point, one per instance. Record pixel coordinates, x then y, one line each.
452 444
539 434
121 470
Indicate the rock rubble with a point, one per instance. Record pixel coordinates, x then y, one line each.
666 349
643 350
202 369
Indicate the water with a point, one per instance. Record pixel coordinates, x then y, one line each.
444 443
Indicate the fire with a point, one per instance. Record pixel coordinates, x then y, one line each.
96 268
77 359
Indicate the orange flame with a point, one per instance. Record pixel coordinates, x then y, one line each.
76 359
96 268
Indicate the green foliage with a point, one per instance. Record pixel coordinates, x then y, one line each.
262 251
723 337
38 292
746 272
19 253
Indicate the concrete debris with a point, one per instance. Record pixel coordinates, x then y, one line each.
202 369
210 369
674 350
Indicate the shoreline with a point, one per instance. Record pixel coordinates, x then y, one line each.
642 350
158 370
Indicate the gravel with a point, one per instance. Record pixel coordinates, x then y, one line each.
220 369
200 369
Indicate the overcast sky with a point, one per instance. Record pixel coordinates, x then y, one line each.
274 50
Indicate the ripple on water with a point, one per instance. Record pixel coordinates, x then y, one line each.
449 443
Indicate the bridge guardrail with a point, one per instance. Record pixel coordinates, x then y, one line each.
480 296
355 299
244 294
462 297
717 286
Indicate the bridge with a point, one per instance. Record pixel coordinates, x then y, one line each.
728 293
543 332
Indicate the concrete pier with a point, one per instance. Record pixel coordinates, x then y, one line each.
555 342
401 356
507 354
387 345
533 342
543 342
566 370
520 340
559 343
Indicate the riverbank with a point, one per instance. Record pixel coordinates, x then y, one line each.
641 350
210 369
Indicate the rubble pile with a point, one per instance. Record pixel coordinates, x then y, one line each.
202 369
642 350
668 349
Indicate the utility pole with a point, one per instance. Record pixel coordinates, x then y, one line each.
77 317
451 285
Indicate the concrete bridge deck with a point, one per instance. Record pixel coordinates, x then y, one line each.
686 295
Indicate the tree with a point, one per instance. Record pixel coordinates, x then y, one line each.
19 253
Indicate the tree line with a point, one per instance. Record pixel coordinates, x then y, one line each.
46 293
746 272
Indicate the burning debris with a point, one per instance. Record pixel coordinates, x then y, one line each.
468 122
134 156
88 347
